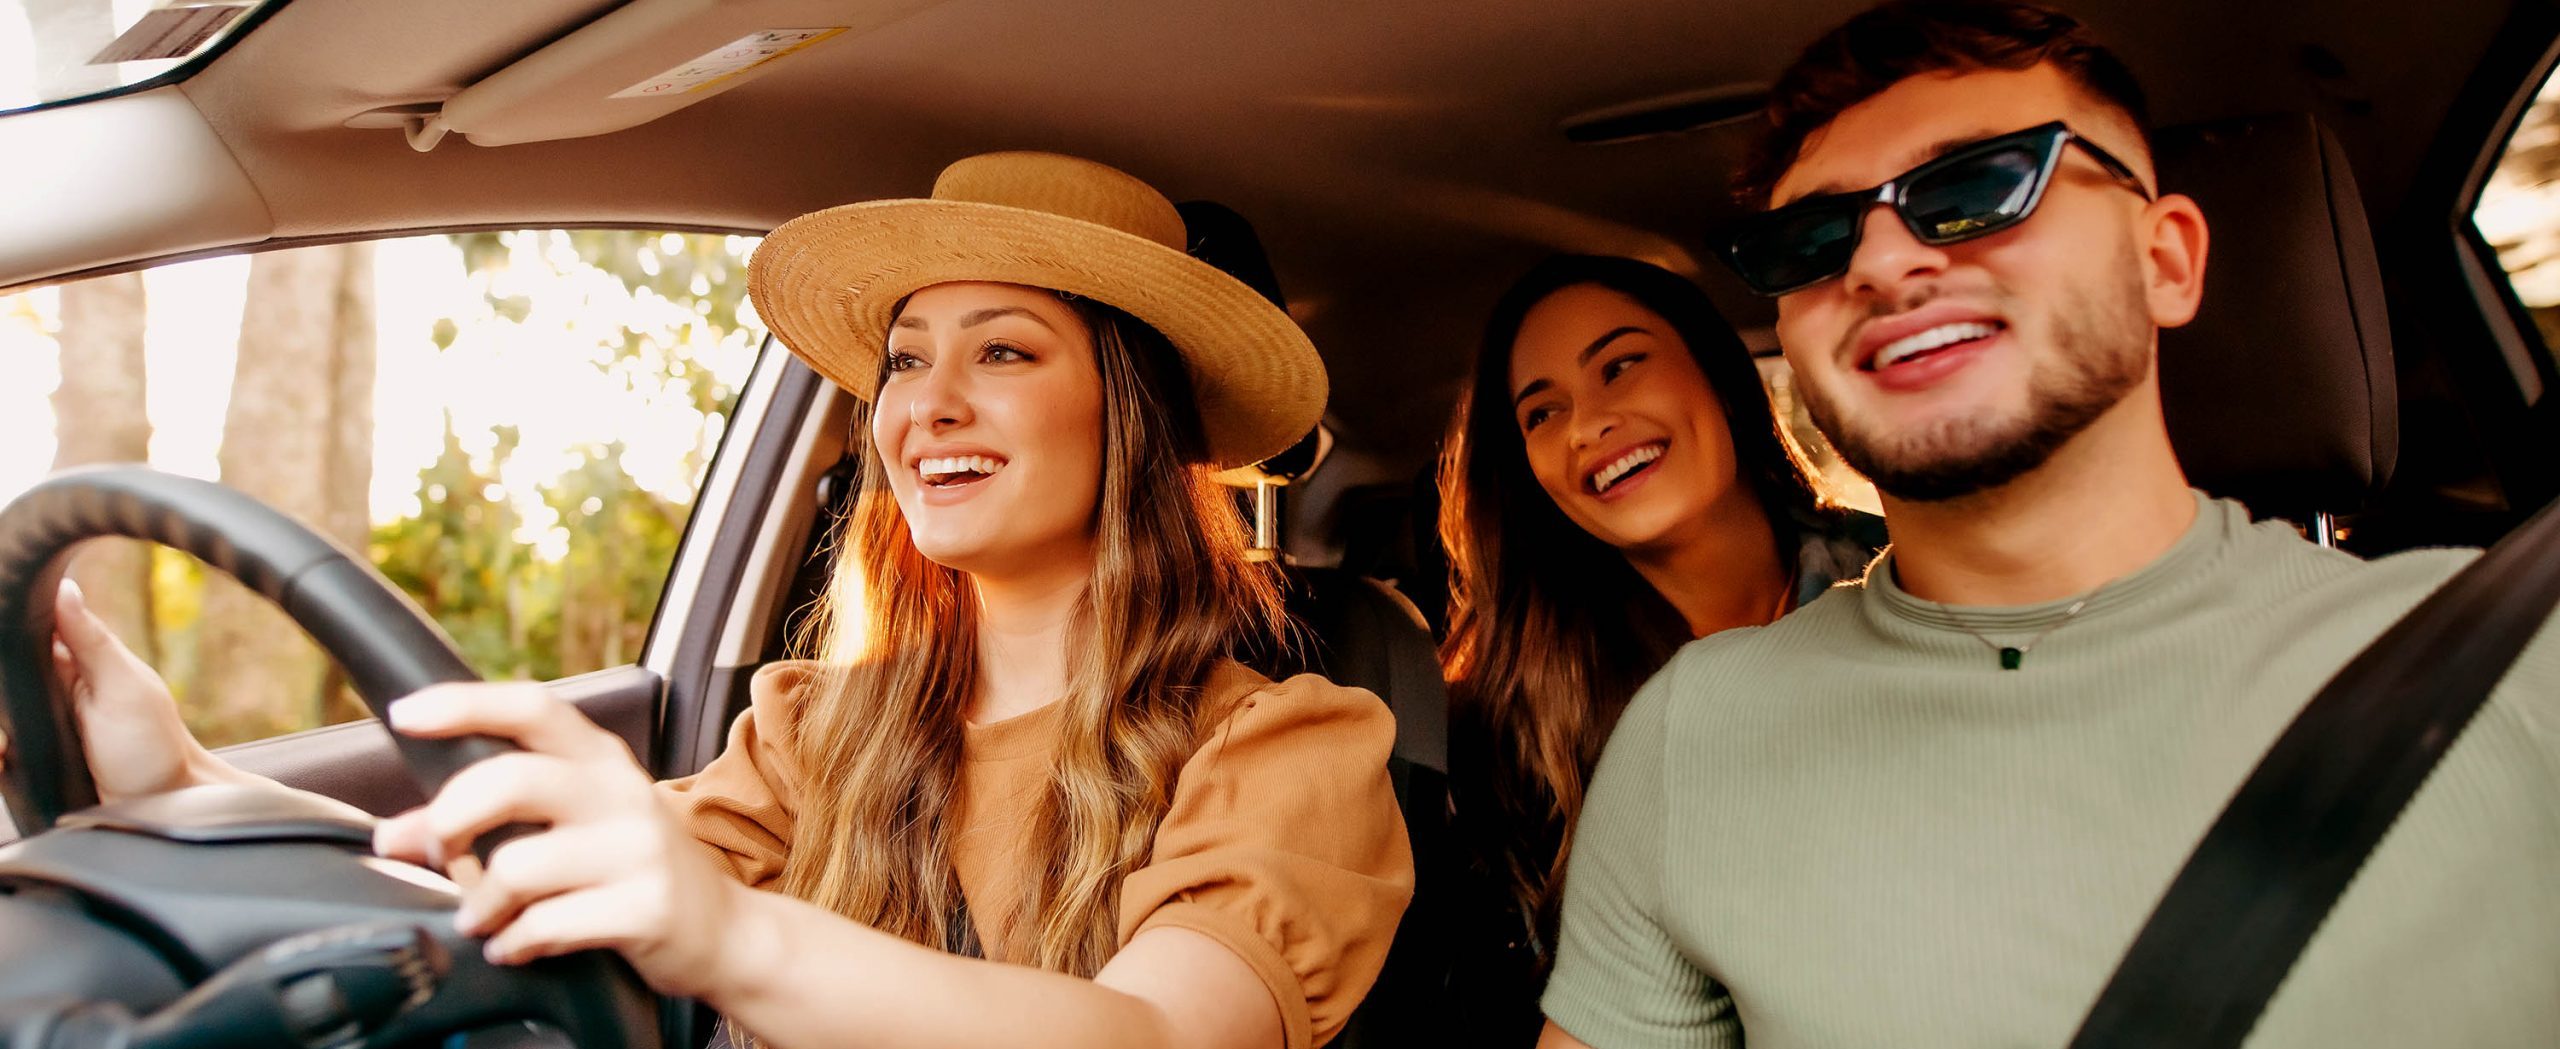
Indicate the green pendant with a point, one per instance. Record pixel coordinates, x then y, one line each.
2011 657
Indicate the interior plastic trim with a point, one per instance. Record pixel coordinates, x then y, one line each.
92 186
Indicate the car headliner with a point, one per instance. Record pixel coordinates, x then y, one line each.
1401 160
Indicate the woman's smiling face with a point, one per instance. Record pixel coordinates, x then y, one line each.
989 420
1621 428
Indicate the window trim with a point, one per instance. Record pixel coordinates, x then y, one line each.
2530 361
712 558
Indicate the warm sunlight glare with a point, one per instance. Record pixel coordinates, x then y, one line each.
553 375
2519 212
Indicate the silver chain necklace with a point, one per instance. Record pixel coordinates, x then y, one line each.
2014 656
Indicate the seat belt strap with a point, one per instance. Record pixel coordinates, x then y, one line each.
2265 877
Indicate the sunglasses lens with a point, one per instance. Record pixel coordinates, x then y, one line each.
1783 250
1975 196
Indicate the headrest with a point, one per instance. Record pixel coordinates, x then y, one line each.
1222 238
2281 393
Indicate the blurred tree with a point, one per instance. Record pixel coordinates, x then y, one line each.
594 605
459 557
519 601
699 273
610 578
100 416
298 435
463 552
99 410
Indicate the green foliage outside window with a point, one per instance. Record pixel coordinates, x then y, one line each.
533 576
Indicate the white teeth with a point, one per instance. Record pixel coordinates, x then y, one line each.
1625 464
944 467
1901 349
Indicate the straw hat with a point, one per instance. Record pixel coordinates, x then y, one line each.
827 281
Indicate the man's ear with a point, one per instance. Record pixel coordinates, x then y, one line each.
2173 259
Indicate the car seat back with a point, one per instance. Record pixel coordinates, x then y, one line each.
2281 392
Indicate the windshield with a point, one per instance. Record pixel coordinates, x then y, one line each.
59 50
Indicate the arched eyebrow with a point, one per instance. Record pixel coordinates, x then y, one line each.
974 318
1579 359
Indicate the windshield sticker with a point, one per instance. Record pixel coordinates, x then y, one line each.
169 32
727 61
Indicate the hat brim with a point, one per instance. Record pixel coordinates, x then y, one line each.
827 282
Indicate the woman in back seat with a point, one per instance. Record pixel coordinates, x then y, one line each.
1615 485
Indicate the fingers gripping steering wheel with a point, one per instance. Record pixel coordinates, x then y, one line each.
384 644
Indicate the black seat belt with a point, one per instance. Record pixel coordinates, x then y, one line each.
2295 834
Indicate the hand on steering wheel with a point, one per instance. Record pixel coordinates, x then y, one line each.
613 870
129 725
117 709
609 873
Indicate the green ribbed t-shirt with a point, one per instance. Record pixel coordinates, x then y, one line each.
1852 828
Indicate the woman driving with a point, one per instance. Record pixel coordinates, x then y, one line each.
1027 795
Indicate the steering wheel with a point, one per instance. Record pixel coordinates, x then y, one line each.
214 877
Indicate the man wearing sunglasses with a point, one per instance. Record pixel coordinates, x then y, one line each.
1933 809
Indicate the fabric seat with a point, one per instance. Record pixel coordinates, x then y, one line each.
1360 632
2281 393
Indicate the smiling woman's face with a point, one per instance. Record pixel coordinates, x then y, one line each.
1621 428
989 419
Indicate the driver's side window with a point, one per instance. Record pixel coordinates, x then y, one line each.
513 425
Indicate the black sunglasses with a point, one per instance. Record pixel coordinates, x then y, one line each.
1975 191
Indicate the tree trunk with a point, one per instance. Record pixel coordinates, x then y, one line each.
349 517
98 411
99 417
298 436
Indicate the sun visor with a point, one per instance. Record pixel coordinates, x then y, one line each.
643 61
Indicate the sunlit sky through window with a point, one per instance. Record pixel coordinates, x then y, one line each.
33 70
2521 214
548 375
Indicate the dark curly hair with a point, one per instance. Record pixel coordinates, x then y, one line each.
1896 41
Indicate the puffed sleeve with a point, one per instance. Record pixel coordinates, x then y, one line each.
741 804
1284 844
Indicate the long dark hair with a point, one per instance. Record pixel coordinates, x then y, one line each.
1550 629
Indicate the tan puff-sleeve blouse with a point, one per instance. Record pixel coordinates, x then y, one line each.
1283 842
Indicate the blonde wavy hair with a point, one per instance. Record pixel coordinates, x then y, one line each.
1172 594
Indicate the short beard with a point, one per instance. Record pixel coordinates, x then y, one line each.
2104 339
